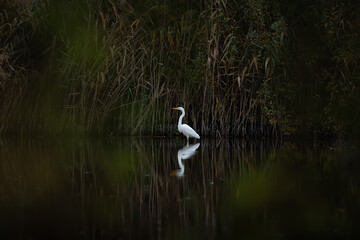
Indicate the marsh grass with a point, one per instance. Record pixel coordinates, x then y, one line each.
120 67
117 67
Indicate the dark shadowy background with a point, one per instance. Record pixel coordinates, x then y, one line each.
243 68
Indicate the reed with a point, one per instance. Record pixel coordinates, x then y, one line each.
117 67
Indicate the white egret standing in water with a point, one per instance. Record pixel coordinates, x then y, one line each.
184 128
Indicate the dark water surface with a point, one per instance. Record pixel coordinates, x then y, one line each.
159 188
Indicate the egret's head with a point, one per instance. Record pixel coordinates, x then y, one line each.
179 108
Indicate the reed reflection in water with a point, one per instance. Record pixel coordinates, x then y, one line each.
123 188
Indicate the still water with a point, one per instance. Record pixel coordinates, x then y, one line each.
162 188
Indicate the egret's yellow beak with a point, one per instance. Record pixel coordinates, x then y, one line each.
174 108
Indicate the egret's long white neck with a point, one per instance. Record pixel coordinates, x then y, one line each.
181 117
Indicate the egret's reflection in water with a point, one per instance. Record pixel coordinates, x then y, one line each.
185 153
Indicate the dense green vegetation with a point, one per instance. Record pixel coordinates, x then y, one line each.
248 67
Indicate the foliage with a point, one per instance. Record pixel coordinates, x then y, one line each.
248 68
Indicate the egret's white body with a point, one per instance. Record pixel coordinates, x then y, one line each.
184 153
184 128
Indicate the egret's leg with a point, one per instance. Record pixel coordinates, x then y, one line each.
187 137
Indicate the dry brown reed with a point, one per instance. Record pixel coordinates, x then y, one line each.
119 67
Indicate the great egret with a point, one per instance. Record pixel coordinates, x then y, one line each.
184 153
184 128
